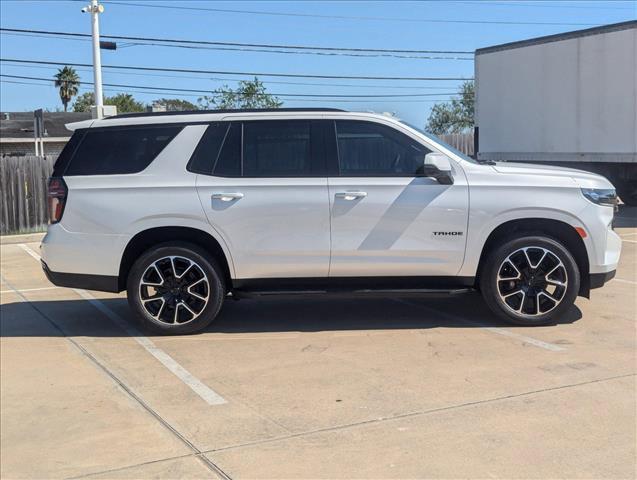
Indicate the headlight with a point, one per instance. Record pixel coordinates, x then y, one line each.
601 196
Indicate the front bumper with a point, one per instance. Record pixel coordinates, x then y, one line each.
597 280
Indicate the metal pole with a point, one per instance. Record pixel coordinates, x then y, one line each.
97 61
35 136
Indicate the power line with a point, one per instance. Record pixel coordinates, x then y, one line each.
247 50
200 91
160 92
344 17
274 82
245 45
251 74
543 4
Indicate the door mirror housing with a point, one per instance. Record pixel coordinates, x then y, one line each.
438 166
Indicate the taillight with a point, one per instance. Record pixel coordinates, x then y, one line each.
57 198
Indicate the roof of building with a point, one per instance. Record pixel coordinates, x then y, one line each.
20 124
614 27
201 112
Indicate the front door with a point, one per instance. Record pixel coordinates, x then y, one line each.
267 197
387 221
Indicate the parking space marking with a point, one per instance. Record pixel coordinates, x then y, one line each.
30 251
623 281
500 331
206 393
629 241
29 289
196 453
627 234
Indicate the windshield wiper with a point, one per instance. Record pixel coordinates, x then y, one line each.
485 162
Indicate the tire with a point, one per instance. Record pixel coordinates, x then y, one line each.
548 278
175 288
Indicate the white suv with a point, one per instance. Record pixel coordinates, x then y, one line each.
184 209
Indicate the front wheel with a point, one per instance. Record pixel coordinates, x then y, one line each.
175 288
531 280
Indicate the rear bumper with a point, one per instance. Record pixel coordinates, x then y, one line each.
102 283
597 280
82 253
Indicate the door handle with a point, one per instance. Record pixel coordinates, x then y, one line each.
351 195
227 197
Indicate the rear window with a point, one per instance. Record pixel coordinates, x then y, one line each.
114 150
67 153
206 153
229 160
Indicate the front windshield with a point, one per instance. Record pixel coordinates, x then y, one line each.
435 139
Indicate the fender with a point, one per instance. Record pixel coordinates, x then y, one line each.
481 227
193 222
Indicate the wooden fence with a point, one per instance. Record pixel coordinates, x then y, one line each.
23 188
460 141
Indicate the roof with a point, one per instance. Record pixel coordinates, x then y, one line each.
206 116
614 27
200 112
20 124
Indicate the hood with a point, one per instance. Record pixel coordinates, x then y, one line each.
582 178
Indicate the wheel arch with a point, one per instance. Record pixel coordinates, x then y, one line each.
556 229
146 239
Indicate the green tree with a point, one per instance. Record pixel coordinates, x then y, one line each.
68 81
175 104
248 94
83 102
455 116
124 102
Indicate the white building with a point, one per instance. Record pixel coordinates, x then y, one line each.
568 99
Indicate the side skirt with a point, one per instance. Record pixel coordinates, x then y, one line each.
353 286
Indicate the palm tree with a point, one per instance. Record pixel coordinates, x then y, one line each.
68 82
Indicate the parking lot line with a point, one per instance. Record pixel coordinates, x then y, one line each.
206 393
29 289
629 241
500 331
621 280
104 368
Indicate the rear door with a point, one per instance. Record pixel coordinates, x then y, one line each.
387 219
263 186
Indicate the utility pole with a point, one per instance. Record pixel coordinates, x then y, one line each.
95 9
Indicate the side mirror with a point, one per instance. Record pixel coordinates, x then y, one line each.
437 166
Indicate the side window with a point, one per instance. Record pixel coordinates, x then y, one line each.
116 150
229 159
63 160
277 149
371 149
205 155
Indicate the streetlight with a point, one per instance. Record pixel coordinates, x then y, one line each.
95 9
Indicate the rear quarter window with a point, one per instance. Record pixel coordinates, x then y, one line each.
115 150
63 160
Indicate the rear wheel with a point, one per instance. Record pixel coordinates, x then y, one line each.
175 288
531 280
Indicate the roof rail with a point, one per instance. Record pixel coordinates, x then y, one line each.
204 112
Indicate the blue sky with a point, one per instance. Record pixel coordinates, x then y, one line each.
395 25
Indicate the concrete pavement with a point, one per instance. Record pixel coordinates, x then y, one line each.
338 388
